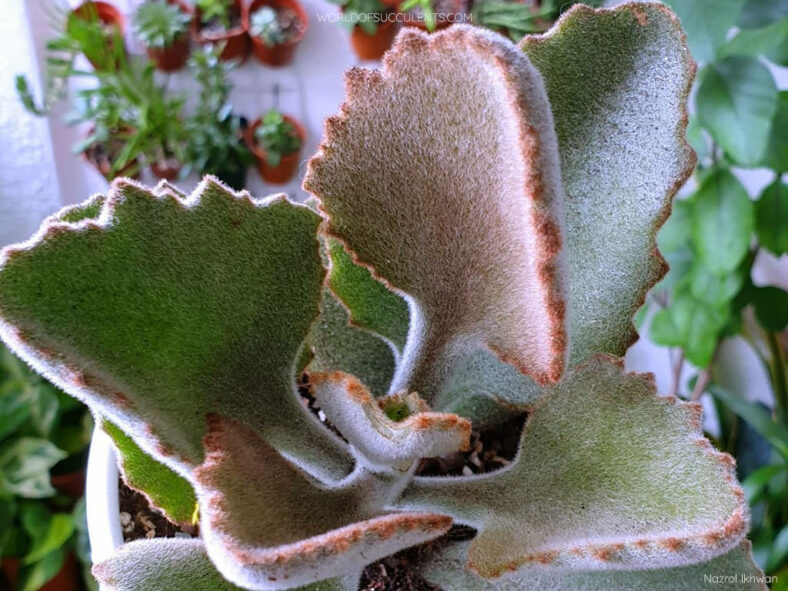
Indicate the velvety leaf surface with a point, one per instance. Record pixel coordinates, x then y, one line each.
737 100
618 82
161 311
733 570
372 305
164 488
177 565
609 476
338 346
267 525
461 210
391 431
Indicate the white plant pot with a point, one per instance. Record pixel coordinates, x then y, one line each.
101 498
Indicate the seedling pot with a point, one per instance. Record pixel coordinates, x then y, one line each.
131 170
284 171
281 54
107 14
172 58
236 40
372 47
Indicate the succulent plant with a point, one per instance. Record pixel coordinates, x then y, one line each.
489 262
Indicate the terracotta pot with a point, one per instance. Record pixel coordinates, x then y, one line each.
131 170
167 172
372 47
71 483
284 171
172 58
457 7
68 577
282 54
236 41
107 14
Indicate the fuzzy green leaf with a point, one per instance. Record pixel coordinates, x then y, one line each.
163 310
177 565
461 209
733 570
722 222
771 218
618 82
338 346
737 100
630 483
706 23
372 305
164 488
267 525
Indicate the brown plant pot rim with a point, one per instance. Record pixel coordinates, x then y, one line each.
275 174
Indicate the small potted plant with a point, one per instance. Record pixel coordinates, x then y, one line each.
432 15
96 30
221 22
163 27
276 140
215 134
371 25
275 27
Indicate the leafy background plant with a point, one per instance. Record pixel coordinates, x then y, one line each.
159 24
716 235
42 432
277 137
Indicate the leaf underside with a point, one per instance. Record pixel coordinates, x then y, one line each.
460 212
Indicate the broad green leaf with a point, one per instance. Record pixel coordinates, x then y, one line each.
779 551
372 305
392 431
689 323
775 432
771 218
7 515
759 13
14 408
266 523
706 23
755 484
756 43
771 307
461 210
336 345
698 138
734 570
164 488
777 150
722 223
25 464
58 531
675 234
618 82
180 565
630 483
737 100
713 288
163 310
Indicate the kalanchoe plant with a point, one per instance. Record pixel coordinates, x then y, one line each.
497 271
159 24
277 137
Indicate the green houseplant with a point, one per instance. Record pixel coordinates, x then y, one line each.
43 438
480 281
163 27
221 22
371 26
276 140
215 143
